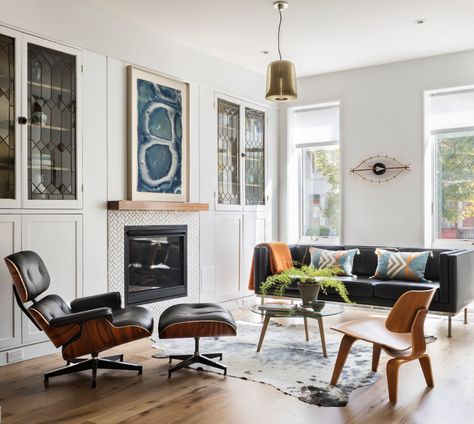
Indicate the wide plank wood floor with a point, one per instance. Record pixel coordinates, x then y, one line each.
198 397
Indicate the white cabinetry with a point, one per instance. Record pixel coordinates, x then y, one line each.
242 215
58 240
40 170
10 319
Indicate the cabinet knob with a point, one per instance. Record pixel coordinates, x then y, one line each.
22 120
243 155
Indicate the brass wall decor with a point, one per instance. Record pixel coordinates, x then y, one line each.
379 169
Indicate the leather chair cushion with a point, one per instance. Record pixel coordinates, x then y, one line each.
393 289
110 300
51 306
80 317
196 320
133 315
33 275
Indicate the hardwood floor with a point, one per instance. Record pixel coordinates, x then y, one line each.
197 398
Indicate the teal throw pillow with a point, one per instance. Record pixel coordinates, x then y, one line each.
408 266
344 259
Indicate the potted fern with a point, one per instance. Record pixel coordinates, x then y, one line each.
309 280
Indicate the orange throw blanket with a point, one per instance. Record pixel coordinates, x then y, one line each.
280 260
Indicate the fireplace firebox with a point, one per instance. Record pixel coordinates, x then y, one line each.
155 263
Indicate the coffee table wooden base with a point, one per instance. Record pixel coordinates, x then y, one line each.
266 321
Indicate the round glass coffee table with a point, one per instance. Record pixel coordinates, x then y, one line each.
317 311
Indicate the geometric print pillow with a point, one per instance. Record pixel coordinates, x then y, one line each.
344 259
401 265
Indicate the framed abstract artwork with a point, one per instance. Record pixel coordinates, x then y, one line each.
158 137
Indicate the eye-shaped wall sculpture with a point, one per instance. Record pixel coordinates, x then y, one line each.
379 169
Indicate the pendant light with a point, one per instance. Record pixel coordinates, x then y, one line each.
281 75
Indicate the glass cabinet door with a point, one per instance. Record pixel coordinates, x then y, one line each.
254 157
228 153
52 124
7 118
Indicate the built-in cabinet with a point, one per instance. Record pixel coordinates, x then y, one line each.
242 218
40 156
40 170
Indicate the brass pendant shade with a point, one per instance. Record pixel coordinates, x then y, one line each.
281 81
281 74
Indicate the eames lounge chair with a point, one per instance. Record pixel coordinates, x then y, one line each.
88 326
401 335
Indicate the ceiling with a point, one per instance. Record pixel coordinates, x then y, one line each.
319 36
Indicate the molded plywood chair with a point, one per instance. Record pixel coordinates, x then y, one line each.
401 335
88 326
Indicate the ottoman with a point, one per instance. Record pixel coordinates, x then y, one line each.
196 320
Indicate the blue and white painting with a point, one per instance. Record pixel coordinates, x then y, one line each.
160 138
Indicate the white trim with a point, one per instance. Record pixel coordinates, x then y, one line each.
429 157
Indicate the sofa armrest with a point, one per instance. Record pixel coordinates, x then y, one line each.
80 317
261 266
460 278
110 300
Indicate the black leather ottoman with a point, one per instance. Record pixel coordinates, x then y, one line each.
196 320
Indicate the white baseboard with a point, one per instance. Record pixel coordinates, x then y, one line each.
29 352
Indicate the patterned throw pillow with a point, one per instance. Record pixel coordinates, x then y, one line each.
401 265
322 258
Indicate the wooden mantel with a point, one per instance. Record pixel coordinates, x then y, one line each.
146 205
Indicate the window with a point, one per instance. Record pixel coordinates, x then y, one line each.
316 135
450 120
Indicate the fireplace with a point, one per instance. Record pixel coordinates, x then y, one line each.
155 263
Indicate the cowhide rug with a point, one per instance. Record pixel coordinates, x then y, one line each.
286 361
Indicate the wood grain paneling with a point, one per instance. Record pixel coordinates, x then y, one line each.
198 329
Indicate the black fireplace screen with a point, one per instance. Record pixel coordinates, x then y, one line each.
155 263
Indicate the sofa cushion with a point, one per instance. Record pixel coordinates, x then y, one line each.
401 265
356 287
393 289
323 258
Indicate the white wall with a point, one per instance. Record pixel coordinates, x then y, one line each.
381 113
109 44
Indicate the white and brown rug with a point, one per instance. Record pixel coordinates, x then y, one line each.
286 361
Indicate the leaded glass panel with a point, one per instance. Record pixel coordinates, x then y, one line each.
228 153
7 117
254 157
51 124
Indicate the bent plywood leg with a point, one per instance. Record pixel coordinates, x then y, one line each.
376 357
425 363
392 378
344 349
262 333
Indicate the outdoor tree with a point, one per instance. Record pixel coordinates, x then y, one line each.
456 178
327 164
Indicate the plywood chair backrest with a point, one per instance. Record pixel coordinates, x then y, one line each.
400 318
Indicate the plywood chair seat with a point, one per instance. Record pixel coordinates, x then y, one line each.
373 330
401 335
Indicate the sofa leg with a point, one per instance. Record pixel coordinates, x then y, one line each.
465 315
449 325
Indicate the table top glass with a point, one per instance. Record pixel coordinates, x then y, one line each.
317 310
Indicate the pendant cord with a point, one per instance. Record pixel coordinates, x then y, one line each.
279 31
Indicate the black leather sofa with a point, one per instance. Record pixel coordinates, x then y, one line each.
451 272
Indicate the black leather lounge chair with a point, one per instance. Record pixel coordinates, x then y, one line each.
88 326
